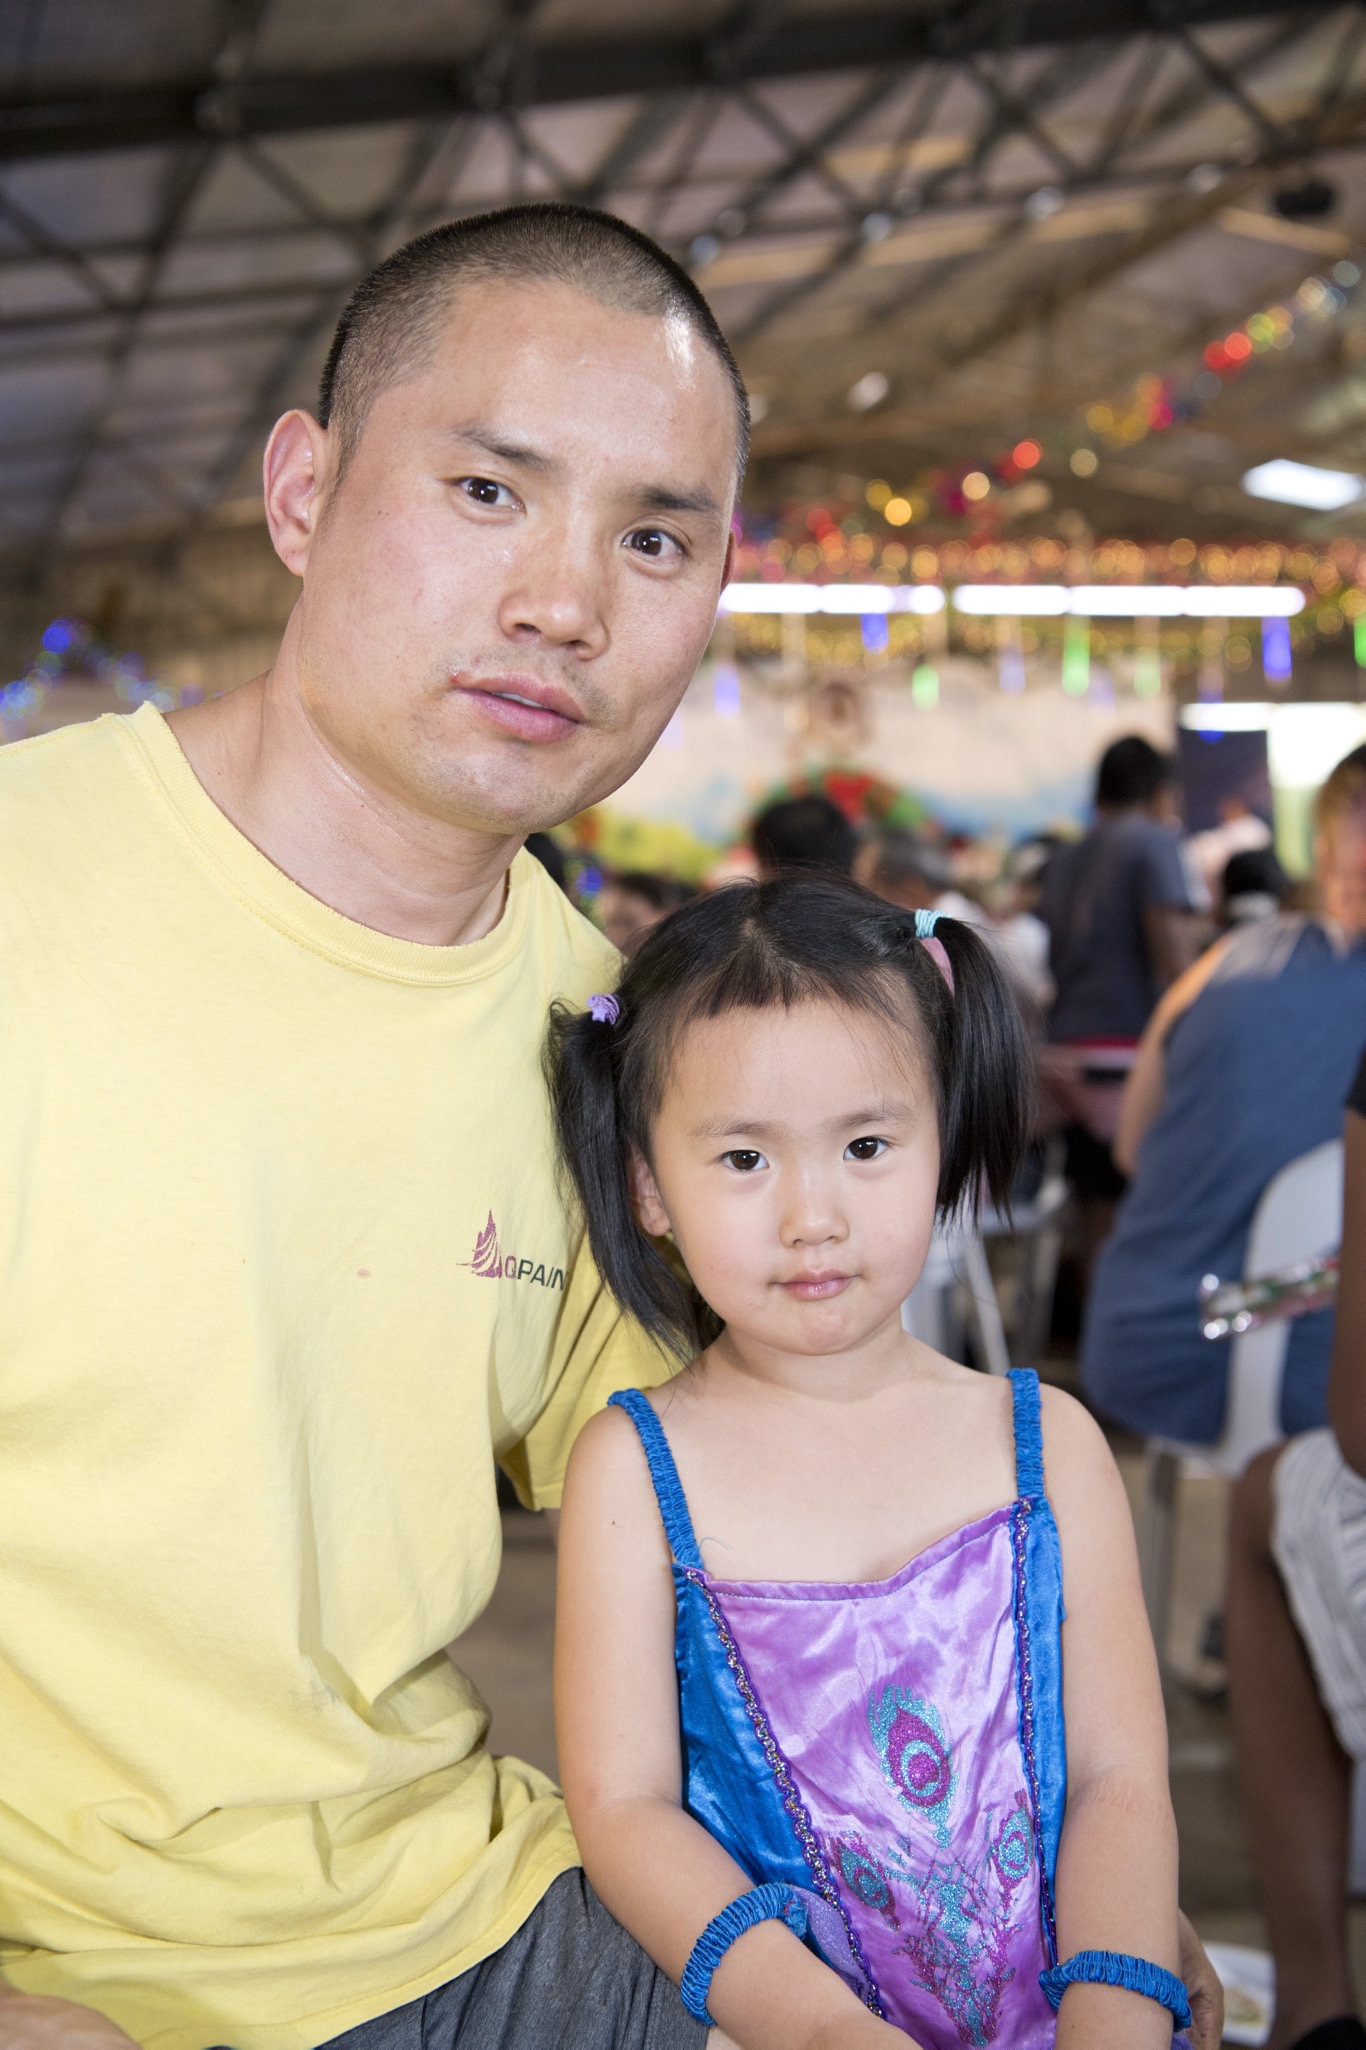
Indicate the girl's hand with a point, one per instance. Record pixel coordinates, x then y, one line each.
1203 1990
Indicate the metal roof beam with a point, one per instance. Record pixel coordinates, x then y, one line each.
554 72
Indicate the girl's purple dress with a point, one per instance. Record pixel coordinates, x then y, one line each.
893 1751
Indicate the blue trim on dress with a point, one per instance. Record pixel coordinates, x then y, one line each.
1028 1421
673 1503
736 1781
1039 1615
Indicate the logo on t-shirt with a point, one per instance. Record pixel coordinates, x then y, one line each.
493 1264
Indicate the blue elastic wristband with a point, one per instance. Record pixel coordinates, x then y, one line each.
1112 1968
765 1904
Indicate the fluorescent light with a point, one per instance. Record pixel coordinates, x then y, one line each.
1242 601
1134 601
1012 600
1287 483
843 598
1189 601
1225 718
1306 741
1018 601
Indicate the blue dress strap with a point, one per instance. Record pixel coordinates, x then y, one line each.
1024 1387
673 1503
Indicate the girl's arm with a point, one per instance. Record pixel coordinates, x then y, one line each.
1143 1090
1117 1862
616 1717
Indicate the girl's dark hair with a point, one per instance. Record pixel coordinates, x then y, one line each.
751 947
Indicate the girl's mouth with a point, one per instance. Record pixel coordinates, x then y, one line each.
813 1288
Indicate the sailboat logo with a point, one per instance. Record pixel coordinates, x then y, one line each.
493 1264
487 1258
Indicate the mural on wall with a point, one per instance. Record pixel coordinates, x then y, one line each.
979 760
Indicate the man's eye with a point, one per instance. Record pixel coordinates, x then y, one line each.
654 544
483 491
865 1149
744 1160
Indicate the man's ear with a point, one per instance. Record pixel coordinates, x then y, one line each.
295 470
728 567
654 1218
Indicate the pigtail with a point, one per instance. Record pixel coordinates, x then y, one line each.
583 1068
987 1073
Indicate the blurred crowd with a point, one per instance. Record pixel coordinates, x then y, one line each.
1199 1023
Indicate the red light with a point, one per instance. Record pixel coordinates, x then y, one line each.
1216 356
1025 454
1237 347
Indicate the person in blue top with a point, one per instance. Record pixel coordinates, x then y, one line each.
1244 1067
831 1751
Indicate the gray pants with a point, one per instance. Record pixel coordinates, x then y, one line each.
570 1979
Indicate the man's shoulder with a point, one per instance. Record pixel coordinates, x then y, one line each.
578 957
56 776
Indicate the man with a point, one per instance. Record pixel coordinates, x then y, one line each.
803 832
1297 1661
1121 926
285 1266
1243 1067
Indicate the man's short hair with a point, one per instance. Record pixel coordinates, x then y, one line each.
393 318
804 832
901 857
1131 772
1343 791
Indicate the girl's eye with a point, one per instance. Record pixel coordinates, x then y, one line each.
483 491
865 1149
654 544
744 1160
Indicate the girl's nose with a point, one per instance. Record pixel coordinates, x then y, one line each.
813 1217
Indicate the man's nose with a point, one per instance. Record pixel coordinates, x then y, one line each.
557 597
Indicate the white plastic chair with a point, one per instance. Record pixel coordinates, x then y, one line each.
1299 1217
957 1256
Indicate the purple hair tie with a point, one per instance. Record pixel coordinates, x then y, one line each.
604 1010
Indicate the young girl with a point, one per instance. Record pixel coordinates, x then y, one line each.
830 1751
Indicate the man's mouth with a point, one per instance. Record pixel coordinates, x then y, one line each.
523 706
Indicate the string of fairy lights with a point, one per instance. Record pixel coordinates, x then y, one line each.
876 538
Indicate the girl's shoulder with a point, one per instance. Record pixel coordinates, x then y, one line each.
1080 1473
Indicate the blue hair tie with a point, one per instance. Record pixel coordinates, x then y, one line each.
772 1903
1114 1968
604 1010
925 923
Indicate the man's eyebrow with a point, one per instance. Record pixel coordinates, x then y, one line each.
663 498
499 445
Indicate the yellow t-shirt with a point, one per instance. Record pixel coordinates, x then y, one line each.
283 1270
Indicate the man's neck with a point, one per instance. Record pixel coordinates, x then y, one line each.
394 869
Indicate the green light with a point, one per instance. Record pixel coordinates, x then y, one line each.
1076 657
1359 640
925 687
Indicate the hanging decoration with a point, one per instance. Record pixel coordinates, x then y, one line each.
71 651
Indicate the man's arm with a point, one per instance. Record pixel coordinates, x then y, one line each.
1174 938
1144 1089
